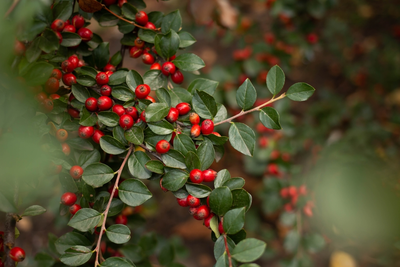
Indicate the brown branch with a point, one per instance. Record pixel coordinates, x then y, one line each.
9 238
251 110
12 7
227 251
154 154
103 226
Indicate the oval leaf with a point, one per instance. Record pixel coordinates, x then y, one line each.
133 192
270 118
234 221
97 174
221 200
300 91
246 95
111 145
175 179
242 138
275 79
248 250
85 219
118 233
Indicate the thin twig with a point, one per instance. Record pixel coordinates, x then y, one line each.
103 226
251 110
12 7
147 149
123 49
9 238
227 251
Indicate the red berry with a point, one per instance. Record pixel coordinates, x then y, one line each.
56 73
182 202
177 77
142 91
121 219
78 21
139 43
273 169
119 109
173 115
209 175
288 207
85 132
81 63
74 208
150 99
105 90
221 228
91 104
109 67
173 136
47 105
263 141
308 211
68 199
76 172
104 103
193 201
17 254
97 135
122 2
195 131
183 108
57 25
302 190
148 58
202 212
162 146
67 22
67 66
155 66
126 121
207 220
168 68
71 97
61 135
74 113
143 116
141 18
19 48
74 60
162 187
217 134
65 149
52 85
69 28
192 210
69 79
292 191
102 78
172 58
109 2
59 36
85 34
196 176
150 25
132 111
207 127
312 38
41 97
135 52
284 192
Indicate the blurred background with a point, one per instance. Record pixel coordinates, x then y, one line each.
339 150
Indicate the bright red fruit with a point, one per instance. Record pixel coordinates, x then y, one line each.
207 220
59 36
135 52
202 212
105 90
17 254
121 219
119 109
312 38
126 121
284 192
217 134
69 79
183 108
74 60
139 43
221 228
177 77
81 63
150 99
78 21
155 66
102 78
52 85
56 73
207 127
76 172
91 104
69 28
97 135
273 169
209 175
195 131
109 67
143 116
148 58
173 115
150 25
104 103
132 111
141 18
182 202
142 91
168 68
67 66
54 96
85 132
196 176
68 199
162 146
85 34
193 201
73 112
57 25
192 210
74 208
292 191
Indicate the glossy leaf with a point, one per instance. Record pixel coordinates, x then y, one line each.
85 219
111 145
117 262
300 91
206 154
88 118
101 55
204 105
221 200
234 220
222 177
175 179
167 45
137 165
162 127
155 79
135 135
133 79
186 39
69 240
192 161
33 210
118 77
171 21
242 138
241 198
76 256
147 35
219 246
70 39
133 192
183 143
270 118
38 73
248 250
246 95
97 174
80 92
198 190
188 62
275 79
108 118
234 183
156 112
118 233
174 159
201 84
155 166
122 93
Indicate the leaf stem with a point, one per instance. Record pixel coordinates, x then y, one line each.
103 226
12 7
241 113
227 251
154 154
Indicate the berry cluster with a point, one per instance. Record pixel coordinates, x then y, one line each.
292 193
76 26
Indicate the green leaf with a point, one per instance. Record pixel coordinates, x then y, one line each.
135 135
85 219
201 84
118 233
246 95
314 242
152 138
217 140
33 211
241 198
192 161
222 113
147 35
44 260
204 105
118 77
116 58
97 174
239 236
234 183
163 96
188 62
248 250
133 252
63 10
270 118
292 241
249 265
167 45
156 112
80 144
186 39
137 165
300 91
69 240
70 39
122 93
117 262
119 134
175 179
155 79
80 92
174 159
129 11
86 70
162 127
111 145
76 256
214 226
88 118
155 166
101 55
222 261
156 17
108 118
33 51
133 192
49 41
222 177
198 190
234 221
242 138
85 80
219 246
206 154
179 95
116 207
133 79
167 255
172 21
275 79
183 143
221 200
38 73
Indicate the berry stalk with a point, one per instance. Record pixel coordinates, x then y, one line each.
9 238
103 226
227 251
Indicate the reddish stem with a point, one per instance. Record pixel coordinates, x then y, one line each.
227 251
103 226
12 7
